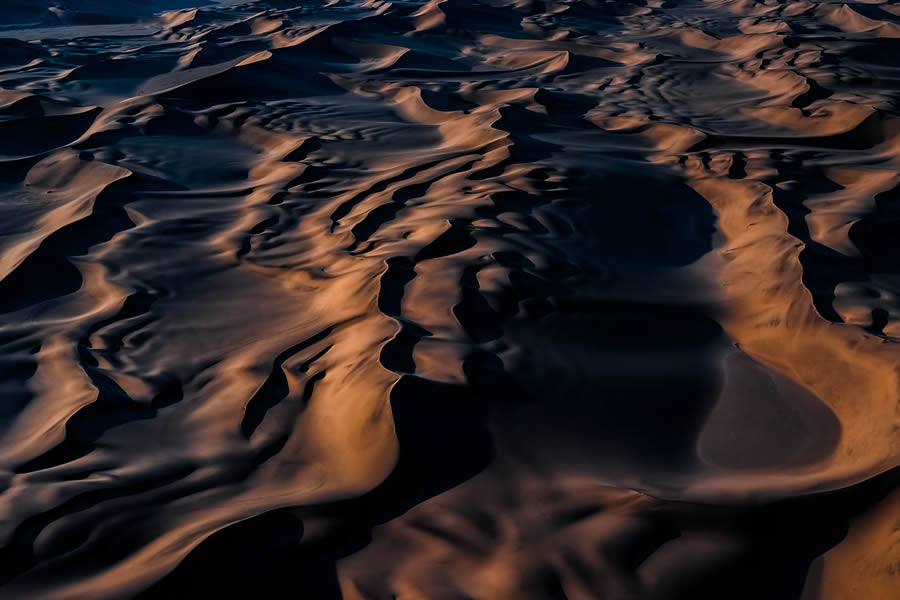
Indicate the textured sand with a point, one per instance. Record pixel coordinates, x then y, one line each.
488 299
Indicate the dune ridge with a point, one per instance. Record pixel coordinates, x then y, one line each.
502 299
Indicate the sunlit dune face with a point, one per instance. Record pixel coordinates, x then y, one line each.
495 299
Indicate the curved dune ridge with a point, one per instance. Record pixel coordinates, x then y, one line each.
490 299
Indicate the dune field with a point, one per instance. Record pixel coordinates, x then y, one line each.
447 300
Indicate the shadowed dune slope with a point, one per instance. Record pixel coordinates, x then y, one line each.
489 299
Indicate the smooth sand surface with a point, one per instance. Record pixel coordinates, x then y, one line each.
485 299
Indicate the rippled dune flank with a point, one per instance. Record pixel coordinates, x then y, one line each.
488 299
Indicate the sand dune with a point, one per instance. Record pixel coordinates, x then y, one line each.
494 299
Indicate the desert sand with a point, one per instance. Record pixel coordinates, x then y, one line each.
457 299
